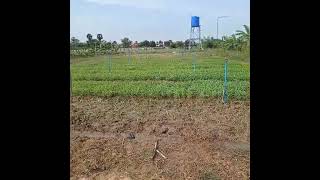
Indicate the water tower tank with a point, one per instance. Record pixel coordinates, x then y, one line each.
195 21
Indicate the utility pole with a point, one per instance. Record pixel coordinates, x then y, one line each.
218 24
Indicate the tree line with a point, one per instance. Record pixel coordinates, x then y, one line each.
239 41
125 43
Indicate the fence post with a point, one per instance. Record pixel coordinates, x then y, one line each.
225 93
70 84
129 58
110 56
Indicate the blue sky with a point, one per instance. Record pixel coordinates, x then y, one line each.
155 19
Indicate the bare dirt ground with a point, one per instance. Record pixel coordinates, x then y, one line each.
114 138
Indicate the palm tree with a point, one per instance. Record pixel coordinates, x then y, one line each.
89 36
99 37
244 36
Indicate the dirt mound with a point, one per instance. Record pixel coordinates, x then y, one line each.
201 138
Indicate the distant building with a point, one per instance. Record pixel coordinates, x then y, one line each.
135 45
159 44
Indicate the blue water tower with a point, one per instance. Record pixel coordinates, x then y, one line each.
195 35
195 21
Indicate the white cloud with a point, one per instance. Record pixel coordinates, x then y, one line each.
148 4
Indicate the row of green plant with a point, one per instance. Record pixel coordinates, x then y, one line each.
162 75
238 90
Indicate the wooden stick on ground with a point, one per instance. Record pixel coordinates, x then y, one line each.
161 154
157 151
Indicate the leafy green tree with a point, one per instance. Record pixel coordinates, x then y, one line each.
126 42
144 43
114 44
179 44
74 42
173 45
166 43
108 45
186 43
152 44
95 41
209 44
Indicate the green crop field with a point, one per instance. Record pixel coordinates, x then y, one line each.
155 75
